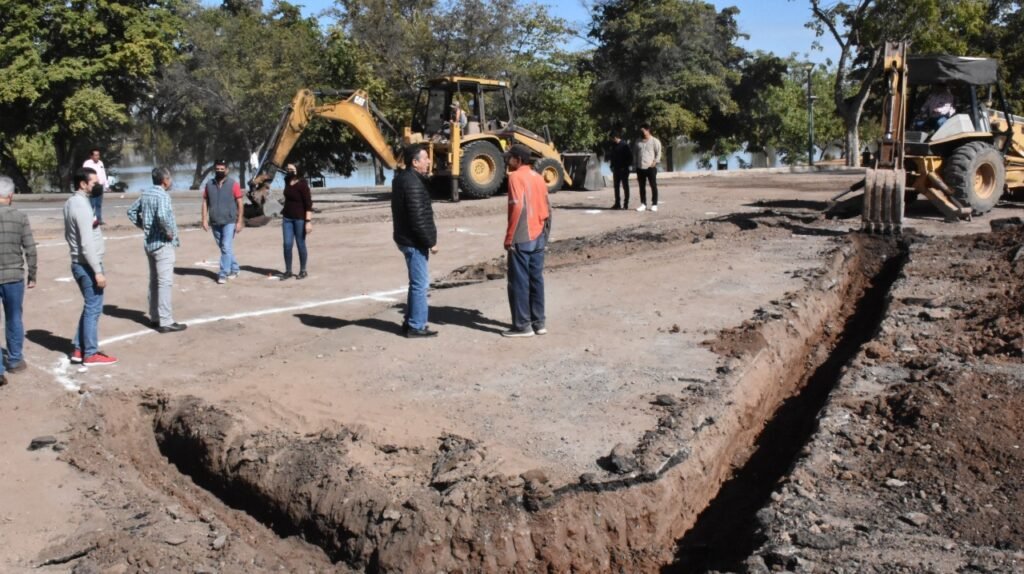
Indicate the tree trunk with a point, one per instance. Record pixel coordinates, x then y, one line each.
852 142
199 173
378 172
670 165
10 168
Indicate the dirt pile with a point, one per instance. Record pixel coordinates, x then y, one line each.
918 462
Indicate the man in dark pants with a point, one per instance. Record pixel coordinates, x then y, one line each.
529 218
621 161
415 234
648 156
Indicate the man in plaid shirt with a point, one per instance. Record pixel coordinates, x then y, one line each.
17 250
153 213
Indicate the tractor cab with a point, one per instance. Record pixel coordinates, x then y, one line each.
963 86
487 104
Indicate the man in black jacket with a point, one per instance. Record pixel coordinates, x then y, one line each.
621 160
415 234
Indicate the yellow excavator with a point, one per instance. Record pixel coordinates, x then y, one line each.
961 162
469 153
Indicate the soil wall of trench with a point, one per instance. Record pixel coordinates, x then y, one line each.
448 512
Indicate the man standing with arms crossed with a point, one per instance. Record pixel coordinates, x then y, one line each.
96 197
529 219
85 241
152 212
648 156
415 234
17 248
222 211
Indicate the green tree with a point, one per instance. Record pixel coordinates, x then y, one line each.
74 70
555 93
240 66
670 63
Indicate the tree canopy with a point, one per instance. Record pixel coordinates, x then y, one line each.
181 80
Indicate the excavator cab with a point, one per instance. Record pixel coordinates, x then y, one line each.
488 105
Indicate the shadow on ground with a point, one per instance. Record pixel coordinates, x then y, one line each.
48 340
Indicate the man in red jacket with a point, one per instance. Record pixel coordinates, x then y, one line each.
529 218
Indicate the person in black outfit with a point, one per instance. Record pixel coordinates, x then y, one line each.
297 217
415 234
621 160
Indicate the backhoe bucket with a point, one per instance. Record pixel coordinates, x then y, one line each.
883 201
584 170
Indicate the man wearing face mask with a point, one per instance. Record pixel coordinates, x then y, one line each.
222 212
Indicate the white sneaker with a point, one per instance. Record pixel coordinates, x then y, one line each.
654 208
643 207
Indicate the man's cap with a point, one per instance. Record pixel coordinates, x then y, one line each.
521 152
220 162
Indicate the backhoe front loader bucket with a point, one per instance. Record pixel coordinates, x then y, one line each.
883 201
584 170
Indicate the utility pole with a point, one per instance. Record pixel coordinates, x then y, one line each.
810 115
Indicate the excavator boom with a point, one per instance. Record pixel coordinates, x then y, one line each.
355 111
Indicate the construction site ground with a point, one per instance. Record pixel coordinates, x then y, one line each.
732 383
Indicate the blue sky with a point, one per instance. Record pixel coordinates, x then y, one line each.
773 25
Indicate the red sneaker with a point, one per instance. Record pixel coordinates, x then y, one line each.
76 357
98 359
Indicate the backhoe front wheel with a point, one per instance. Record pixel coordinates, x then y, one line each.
552 171
977 175
481 169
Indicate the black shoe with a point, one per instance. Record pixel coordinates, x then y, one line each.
302 275
616 206
173 328
17 367
285 275
3 380
420 333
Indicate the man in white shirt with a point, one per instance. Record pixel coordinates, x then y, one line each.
96 197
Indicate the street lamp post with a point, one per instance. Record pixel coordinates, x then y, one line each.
810 116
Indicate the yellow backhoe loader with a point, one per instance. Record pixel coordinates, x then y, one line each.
472 159
962 163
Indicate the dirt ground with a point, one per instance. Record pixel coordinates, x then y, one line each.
291 427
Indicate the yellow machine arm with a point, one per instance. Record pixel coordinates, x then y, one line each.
355 111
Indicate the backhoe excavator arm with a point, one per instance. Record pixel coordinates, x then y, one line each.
355 111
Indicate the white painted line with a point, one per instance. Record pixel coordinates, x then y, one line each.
64 279
60 374
378 296
468 232
114 238
594 211
209 264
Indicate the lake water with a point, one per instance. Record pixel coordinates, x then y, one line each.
138 177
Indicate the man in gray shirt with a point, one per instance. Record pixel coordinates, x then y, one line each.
17 248
648 156
85 242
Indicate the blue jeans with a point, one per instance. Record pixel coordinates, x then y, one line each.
97 206
87 332
294 232
13 295
419 279
526 284
224 235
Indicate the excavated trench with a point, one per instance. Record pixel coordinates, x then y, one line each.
687 505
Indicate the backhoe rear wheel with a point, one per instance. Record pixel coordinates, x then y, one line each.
552 171
977 175
481 169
